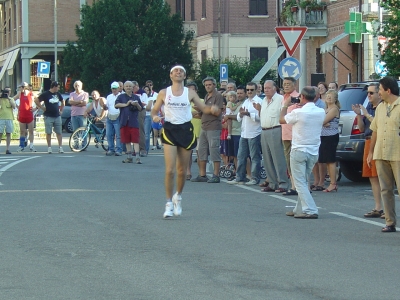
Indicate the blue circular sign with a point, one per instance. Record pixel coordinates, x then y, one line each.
290 67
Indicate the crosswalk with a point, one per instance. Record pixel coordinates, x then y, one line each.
8 162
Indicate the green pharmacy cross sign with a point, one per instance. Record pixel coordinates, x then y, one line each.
356 27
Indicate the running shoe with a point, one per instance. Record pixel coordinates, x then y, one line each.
60 150
49 150
169 210
32 148
138 161
20 149
176 200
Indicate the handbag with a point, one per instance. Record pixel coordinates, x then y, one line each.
112 117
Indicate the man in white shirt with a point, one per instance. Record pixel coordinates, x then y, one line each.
112 127
249 144
307 122
271 141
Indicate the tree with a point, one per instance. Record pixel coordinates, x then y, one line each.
241 71
122 40
391 30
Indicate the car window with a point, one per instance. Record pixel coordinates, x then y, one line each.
349 97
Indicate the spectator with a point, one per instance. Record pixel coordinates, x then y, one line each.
209 140
144 119
96 108
271 141
364 122
385 147
112 127
7 105
25 115
249 144
130 106
330 139
333 86
323 88
307 123
53 106
78 101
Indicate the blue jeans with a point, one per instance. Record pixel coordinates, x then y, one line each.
301 164
147 130
252 148
112 129
78 121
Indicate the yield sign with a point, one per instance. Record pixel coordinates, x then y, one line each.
291 37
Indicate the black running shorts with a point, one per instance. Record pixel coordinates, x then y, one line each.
180 135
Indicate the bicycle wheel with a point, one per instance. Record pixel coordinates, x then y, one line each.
103 141
79 140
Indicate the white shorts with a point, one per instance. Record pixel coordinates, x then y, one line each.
8 125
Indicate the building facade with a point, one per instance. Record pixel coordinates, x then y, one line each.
27 36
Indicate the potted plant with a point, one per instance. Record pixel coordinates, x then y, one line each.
291 6
312 5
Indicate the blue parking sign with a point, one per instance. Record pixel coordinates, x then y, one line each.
43 69
223 72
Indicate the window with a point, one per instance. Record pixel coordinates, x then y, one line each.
318 60
192 15
180 8
258 7
203 9
258 53
203 55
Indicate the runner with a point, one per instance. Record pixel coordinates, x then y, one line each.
178 136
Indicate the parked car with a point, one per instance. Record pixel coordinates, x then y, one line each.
350 149
66 114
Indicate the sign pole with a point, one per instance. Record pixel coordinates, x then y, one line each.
55 42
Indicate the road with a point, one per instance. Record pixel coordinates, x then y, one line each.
86 226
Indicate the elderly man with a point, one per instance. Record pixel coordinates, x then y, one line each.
249 144
209 140
307 123
271 141
289 88
112 127
385 147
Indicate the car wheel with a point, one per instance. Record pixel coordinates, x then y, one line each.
68 126
352 171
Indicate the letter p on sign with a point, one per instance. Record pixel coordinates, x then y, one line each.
223 72
43 70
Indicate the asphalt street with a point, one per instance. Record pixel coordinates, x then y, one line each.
87 226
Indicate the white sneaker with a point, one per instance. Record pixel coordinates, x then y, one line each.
153 148
176 200
60 150
20 149
169 210
49 150
32 148
252 182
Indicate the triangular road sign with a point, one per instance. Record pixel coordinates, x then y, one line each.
291 37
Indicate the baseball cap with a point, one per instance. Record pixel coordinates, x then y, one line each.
24 84
178 67
114 85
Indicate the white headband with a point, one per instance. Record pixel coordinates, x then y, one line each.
178 67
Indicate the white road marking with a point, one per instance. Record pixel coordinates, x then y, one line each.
360 219
61 190
5 168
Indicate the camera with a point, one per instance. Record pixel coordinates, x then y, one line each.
295 100
5 93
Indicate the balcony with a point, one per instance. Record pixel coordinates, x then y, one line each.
189 26
314 17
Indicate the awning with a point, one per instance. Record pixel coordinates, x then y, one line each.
268 65
328 46
9 62
13 58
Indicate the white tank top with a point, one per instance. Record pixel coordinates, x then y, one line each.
98 110
177 109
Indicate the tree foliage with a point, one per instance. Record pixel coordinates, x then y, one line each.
240 71
122 40
391 30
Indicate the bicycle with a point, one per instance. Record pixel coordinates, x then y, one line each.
80 138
